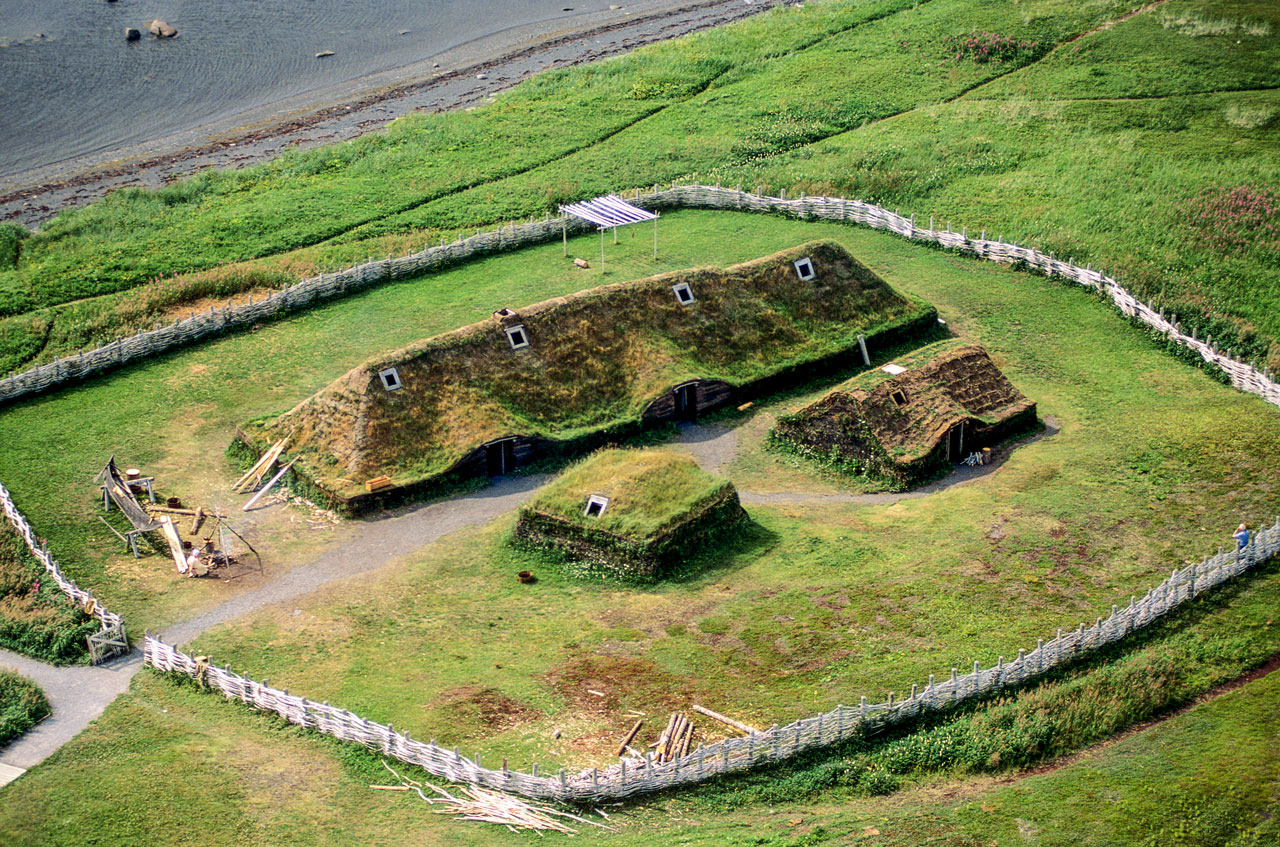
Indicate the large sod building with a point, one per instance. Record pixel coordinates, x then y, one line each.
905 421
569 374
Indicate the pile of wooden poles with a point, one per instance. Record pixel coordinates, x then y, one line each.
675 739
480 804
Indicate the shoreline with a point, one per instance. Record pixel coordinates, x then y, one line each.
463 76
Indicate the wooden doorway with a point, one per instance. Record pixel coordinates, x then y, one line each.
955 443
687 401
500 457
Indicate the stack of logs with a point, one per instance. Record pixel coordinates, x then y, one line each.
675 740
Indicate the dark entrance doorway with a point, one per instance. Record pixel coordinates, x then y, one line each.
500 456
687 402
955 443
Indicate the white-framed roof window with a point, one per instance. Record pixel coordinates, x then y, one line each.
518 336
390 379
805 269
899 398
684 293
596 504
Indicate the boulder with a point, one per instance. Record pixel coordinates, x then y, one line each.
132 33
160 29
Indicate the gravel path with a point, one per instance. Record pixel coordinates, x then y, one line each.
714 447
79 694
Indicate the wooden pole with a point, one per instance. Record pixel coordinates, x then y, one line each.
739 725
622 748
655 239
602 250
270 484
564 235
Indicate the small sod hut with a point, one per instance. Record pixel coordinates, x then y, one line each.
570 374
630 513
905 421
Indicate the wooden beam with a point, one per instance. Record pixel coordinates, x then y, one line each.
738 725
270 485
622 748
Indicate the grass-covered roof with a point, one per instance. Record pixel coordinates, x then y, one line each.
940 385
595 359
649 491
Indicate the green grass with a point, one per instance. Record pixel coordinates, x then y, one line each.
22 705
1091 148
168 763
174 416
647 490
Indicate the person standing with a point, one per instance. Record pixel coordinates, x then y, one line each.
1241 535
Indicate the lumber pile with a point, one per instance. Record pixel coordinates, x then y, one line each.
261 468
485 806
675 738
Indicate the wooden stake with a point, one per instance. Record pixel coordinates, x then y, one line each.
738 725
270 484
622 748
258 467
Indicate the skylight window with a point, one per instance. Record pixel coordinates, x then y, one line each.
596 504
517 336
683 293
899 397
390 379
804 269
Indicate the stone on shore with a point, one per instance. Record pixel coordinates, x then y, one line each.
161 29
132 33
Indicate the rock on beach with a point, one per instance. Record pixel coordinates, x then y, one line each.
161 29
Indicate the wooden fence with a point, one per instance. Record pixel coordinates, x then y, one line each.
638 776
310 291
112 633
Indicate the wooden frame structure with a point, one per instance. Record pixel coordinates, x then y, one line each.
608 212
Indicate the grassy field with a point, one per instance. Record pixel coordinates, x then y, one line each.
1200 447
825 601
170 764
1146 148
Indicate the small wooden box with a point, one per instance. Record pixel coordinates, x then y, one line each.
377 482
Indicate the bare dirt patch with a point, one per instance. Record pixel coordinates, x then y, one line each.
487 709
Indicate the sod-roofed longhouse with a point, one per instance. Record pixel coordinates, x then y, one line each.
905 421
568 374
631 513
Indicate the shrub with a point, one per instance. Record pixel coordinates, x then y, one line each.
22 705
1235 219
983 47
36 618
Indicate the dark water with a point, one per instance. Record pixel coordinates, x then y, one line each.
70 84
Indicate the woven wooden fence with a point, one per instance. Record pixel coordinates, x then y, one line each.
109 620
310 291
638 776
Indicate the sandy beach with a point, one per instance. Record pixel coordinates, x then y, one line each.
463 76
